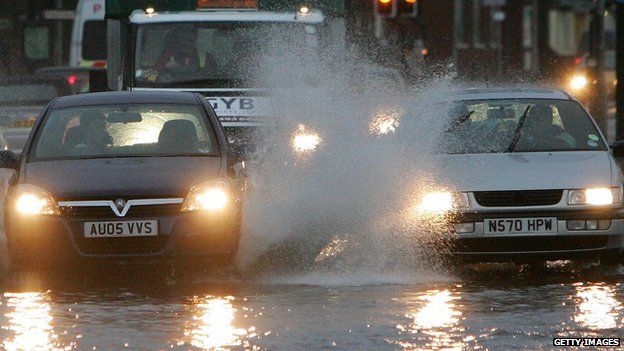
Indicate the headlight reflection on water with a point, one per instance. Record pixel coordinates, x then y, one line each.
438 319
439 310
597 307
213 325
31 323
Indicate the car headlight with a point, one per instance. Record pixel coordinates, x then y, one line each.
31 200
305 140
442 201
212 196
594 196
384 123
578 82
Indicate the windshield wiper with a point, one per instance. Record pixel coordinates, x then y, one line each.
516 135
458 122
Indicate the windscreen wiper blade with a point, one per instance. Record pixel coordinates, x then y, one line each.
458 122
516 135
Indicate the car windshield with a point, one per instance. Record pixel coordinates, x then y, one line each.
125 131
520 125
220 53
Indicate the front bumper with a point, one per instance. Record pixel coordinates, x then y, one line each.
198 235
564 244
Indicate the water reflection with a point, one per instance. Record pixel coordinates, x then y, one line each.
437 320
30 321
439 311
597 306
213 327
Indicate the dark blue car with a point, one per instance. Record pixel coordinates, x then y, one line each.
123 176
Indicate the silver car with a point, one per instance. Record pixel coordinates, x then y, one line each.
527 175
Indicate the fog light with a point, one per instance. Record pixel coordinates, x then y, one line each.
464 228
592 225
575 225
604 224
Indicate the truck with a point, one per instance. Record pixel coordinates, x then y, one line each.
88 40
214 47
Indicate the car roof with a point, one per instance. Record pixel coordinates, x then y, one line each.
66 69
508 93
59 83
140 17
6 80
125 97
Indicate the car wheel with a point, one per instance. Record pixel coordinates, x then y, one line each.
538 267
611 260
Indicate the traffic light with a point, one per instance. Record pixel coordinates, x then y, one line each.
396 8
386 8
407 8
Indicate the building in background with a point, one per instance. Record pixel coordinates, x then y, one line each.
480 38
501 39
34 34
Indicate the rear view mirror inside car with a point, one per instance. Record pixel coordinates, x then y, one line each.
124 117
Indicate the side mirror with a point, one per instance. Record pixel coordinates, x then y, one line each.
239 150
238 154
8 159
97 80
617 148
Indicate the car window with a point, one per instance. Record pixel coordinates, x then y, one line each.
547 125
125 130
94 40
16 94
178 53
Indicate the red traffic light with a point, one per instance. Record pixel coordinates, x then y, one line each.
385 8
396 8
407 8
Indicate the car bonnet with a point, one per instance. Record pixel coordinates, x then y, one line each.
525 171
145 177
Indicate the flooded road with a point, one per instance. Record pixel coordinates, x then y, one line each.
504 309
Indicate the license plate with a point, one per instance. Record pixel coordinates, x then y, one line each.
520 225
119 229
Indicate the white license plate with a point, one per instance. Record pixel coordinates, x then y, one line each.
520 225
119 229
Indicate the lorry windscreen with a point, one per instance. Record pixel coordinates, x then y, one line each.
215 54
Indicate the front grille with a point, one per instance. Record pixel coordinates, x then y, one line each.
121 246
530 244
105 212
518 198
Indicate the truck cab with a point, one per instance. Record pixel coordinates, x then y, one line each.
220 53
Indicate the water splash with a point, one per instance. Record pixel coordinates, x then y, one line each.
346 206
